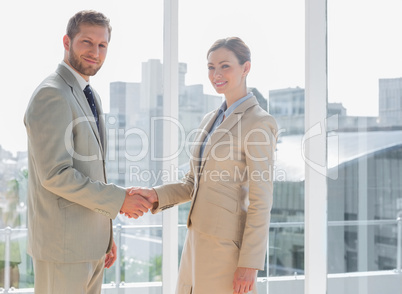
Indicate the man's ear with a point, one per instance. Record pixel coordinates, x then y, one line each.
66 42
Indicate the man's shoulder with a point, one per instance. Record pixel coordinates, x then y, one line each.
53 82
60 78
52 88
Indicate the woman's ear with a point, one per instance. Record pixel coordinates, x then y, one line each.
246 68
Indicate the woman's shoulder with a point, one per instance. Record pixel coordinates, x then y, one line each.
259 116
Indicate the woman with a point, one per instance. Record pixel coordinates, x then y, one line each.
229 184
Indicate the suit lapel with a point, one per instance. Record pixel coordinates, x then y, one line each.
203 132
102 127
228 124
217 135
79 96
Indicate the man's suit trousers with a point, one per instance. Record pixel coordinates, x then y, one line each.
68 278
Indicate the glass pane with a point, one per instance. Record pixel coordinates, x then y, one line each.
364 144
275 35
34 51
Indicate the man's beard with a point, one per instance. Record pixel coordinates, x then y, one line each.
78 66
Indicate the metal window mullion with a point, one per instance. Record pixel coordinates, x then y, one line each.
170 141
316 148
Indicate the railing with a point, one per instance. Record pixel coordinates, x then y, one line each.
399 243
8 232
120 229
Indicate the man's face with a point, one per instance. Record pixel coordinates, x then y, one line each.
86 52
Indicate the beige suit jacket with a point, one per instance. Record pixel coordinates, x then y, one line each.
231 186
70 206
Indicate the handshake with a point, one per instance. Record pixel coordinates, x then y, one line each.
138 201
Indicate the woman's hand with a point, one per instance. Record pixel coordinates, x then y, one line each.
244 280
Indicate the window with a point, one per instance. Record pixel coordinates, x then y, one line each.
364 187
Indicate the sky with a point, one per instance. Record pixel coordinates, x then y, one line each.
363 38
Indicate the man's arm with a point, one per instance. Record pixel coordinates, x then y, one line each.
48 120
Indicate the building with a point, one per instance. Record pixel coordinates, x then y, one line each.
348 157
390 102
286 102
287 106
122 112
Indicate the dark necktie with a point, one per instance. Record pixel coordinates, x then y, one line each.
90 98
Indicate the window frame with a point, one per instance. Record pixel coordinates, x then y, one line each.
316 190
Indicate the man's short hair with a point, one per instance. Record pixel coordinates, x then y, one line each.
89 17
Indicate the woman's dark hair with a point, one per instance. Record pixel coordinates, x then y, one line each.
234 44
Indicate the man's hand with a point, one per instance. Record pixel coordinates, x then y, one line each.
148 193
134 205
111 256
244 280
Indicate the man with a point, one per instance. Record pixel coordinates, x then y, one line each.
70 205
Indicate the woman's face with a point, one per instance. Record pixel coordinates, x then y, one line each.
227 76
